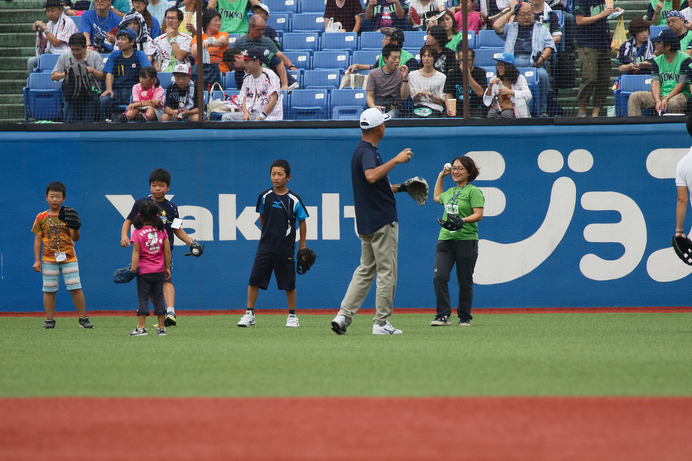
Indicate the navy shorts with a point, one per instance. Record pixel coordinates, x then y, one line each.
284 268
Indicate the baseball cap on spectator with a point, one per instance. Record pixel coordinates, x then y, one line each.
129 32
52 4
181 69
395 34
261 6
254 52
505 57
668 37
372 118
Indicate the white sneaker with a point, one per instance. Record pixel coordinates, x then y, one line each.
292 321
339 325
247 319
386 329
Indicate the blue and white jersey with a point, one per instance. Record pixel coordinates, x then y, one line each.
281 214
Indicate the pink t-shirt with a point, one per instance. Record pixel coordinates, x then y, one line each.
151 243
138 94
474 20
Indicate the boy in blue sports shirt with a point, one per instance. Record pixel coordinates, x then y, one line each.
122 72
280 210
159 185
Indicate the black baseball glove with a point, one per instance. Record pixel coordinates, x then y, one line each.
453 223
306 258
683 248
196 249
124 275
70 217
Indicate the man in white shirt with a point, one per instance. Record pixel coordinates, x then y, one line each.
55 34
172 48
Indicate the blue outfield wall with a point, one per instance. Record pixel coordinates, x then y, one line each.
576 216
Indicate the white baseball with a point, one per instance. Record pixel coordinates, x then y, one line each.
448 167
195 252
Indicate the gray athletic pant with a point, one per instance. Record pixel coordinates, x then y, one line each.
464 254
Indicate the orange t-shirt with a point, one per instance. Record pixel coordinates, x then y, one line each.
216 52
55 236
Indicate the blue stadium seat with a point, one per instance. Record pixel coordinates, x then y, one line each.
285 103
655 30
312 6
489 39
301 41
413 39
165 78
472 39
302 59
321 78
231 39
367 57
347 104
46 62
484 57
309 104
280 22
335 59
282 6
340 41
228 80
371 40
308 22
532 79
415 52
628 85
42 98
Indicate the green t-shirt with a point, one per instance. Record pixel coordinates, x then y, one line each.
233 16
461 201
685 41
405 57
454 42
669 73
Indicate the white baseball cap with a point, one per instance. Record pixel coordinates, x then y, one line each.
372 118
181 69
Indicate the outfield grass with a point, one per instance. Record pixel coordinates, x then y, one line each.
504 354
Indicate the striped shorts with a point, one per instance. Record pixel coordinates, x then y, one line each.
51 275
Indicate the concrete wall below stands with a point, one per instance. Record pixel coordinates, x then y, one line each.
575 215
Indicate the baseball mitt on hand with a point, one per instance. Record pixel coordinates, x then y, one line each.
683 248
196 249
124 275
453 223
306 258
70 217
417 188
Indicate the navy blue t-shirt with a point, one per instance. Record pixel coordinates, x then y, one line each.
597 34
375 203
125 70
281 213
168 213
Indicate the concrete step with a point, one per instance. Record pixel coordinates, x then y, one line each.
13 28
26 39
17 51
14 63
21 4
14 74
12 111
12 86
23 16
11 99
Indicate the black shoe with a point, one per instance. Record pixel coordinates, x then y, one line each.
85 323
170 320
441 321
464 323
49 325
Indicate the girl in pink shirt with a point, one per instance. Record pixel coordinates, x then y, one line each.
151 260
148 97
476 20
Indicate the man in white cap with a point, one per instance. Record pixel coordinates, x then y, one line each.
377 227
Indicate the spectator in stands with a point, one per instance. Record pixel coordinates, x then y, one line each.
384 13
348 12
508 93
593 46
659 10
158 8
669 79
419 10
454 86
119 7
181 104
453 29
636 54
144 42
445 59
676 23
233 59
147 98
530 44
234 15
426 86
189 23
214 43
122 73
153 24
255 38
261 94
69 10
80 112
476 19
543 14
172 48
388 86
97 24
55 34
390 36
263 11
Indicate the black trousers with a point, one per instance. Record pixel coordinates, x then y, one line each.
151 286
464 254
